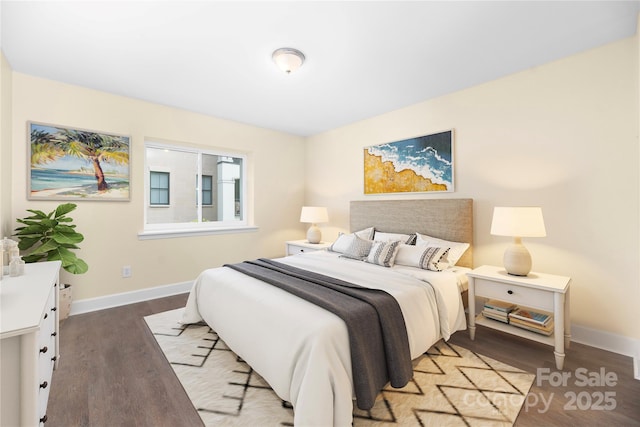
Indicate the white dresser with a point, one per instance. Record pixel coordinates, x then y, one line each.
29 347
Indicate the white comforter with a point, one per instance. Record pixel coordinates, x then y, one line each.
301 350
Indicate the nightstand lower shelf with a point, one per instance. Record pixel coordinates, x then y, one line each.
514 330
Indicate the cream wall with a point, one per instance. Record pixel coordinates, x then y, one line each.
5 146
111 228
563 136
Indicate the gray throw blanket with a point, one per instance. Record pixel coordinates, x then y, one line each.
377 332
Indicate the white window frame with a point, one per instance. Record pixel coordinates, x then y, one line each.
185 229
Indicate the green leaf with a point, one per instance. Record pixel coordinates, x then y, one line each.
49 245
37 213
64 228
78 267
69 246
33 258
66 234
29 221
70 262
26 242
49 223
64 209
61 254
31 229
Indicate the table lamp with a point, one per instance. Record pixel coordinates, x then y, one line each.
314 215
517 222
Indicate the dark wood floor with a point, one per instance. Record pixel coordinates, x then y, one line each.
113 374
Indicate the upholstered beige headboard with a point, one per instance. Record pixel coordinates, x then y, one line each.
449 219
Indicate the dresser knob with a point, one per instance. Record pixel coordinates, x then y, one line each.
46 315
54 334
54 358
510 292
43 419
54 308
44 384
44 349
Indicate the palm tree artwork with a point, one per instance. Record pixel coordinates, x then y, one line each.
72 163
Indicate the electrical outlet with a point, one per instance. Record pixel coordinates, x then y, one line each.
126 271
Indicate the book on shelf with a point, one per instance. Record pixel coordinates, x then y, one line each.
540 329
495 312
531 316
502 306
499 318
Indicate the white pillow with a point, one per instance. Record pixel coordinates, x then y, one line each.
383 253
342 243
409 239
366 233
456 249
432 258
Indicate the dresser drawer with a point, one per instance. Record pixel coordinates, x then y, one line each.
529 297
43 398
48 322
46 359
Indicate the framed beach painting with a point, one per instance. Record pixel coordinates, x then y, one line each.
414 165
76 164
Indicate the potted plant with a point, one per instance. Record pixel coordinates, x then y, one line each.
52 237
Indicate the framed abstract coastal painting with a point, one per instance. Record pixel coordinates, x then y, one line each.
414 165
76 164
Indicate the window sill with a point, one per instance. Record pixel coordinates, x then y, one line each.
170 234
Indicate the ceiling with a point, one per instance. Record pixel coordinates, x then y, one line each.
363 58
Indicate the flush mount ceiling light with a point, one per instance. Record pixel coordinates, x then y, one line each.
288 59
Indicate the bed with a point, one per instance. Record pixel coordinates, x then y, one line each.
302 350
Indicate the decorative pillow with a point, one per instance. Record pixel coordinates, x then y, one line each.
342 243
383 253
456 249
358 249
432 258
366 234
409 239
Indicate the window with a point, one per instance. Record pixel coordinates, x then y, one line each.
172 205
207 191
159 188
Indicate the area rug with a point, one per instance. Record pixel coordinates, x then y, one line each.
451 386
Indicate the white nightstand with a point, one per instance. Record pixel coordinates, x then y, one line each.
540 291
301 246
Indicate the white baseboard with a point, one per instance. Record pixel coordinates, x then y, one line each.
636 362
116 300
610 342
580 334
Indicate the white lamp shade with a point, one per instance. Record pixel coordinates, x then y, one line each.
518 222
314 214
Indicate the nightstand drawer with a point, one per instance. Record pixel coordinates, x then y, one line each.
293 249
529 297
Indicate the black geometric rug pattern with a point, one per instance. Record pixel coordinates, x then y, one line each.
451 386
